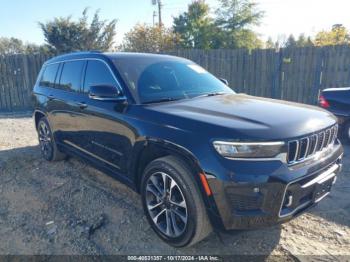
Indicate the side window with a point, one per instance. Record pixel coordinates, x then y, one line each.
49 75
71 75
97 73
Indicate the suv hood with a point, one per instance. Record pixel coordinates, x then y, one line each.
251 116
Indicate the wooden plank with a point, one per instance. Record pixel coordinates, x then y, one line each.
302 74
272 56
26 89
263 72
3 105
8 86
233 70
310 77
17 82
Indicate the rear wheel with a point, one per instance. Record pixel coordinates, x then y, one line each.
172 202
47 143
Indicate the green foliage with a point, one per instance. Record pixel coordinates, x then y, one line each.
270 44
237 14
291 42
234 20
339 35
230 28
195 27
65 35
304 41
16 46
149 39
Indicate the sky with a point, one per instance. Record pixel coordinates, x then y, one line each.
19 18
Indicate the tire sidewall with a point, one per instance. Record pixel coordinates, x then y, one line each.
44 120
347 132
187 235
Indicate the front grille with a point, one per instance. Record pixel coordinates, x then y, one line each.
303 148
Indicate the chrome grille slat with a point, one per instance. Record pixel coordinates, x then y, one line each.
296 151
316 142
305 147
323 134
327 137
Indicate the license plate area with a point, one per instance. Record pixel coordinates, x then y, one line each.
304 192
323 189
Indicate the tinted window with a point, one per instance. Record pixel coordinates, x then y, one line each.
154 79
49 75
71 75
97 73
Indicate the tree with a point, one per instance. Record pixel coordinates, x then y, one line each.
195 27
303 41
290 42
234 20
16 46
269 43
149 39
65 35
11 45
339 35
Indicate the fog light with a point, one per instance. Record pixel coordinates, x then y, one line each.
256 190
289 201
334 180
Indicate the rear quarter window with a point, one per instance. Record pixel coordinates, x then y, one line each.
49 75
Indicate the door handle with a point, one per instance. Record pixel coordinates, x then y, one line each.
50 97
82 105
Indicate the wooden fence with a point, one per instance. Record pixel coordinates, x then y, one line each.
295 74
17 77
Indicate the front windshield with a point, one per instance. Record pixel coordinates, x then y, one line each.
162 79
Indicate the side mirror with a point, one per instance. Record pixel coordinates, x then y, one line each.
224 81
105 93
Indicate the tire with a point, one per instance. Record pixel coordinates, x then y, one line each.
48 147
188 222
346 132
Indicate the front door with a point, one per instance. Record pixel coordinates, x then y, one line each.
103 133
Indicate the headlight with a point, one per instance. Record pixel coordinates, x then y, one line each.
250 149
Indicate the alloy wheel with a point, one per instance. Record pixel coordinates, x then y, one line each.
166 204
45 140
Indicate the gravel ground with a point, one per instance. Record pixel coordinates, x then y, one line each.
71 208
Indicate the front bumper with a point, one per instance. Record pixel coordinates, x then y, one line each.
250 205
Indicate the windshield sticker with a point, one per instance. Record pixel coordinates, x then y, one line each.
197 68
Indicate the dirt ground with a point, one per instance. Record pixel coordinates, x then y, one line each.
70 208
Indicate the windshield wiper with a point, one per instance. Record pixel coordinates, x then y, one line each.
164 99
211 94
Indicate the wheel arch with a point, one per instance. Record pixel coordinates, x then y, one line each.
38 114
152 149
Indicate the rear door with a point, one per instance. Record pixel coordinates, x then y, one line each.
66 102
47 83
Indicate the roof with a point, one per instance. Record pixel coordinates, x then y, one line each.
106 55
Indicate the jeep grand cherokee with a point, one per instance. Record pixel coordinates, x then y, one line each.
200 155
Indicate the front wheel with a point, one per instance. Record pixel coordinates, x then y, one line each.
172 202
346 132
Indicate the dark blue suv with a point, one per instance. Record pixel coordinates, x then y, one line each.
200 155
